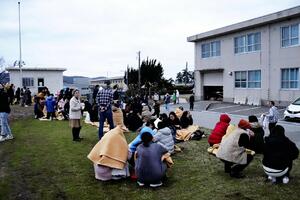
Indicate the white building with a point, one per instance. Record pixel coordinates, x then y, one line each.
117 80
252 61
33 78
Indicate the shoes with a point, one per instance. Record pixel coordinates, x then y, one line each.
285 180
156 185
9 137
2 138
140 184
77 140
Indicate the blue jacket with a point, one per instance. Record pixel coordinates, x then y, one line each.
50 104
138 140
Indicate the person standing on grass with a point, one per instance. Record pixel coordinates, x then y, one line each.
50 105
95 92
272 115
192 101
104 100
75 115
4 112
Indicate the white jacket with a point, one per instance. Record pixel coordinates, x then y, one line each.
75 108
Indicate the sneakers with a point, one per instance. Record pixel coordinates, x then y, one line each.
140 184
2 138
156 185
285 180
9 137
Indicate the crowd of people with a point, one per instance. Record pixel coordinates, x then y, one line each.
236 146
147 157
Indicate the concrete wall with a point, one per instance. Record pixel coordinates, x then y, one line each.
270 59
52 79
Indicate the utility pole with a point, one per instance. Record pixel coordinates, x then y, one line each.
127 75
20 48
139 71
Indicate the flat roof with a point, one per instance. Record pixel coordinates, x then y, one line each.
259 21
35 69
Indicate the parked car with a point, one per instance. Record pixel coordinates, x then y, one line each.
293 110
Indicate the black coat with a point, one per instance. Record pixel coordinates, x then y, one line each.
4 102
257 142
279 152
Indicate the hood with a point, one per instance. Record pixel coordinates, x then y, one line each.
165 131
225 118
50 98
255 125
146 129
293 108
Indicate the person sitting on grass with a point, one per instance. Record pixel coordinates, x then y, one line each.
164 136
138 140
257 141
174 120
220 130
149 167
232 150
279 153
186 119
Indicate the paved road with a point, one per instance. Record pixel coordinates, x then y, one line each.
208 118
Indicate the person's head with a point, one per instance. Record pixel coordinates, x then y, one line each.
76 93
181 108
150 123
185 114
161 125
244 124
278 131
116 87
172 116
225 118
97 87
252 119
107 83
163 116
146 138
271 103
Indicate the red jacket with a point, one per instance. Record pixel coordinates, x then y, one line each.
219 130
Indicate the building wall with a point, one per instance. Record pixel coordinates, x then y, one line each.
270 59
52 79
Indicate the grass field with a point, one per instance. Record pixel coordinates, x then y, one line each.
43 163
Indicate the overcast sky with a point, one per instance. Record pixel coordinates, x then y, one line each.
100 37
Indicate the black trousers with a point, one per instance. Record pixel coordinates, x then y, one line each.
271 126
191 105
234 168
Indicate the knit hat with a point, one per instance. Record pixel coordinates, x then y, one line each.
244 124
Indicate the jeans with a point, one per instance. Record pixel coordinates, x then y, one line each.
5 129
102 117
272 125
167 107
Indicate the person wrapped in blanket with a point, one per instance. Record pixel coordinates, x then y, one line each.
232 150
110 155
149 167
279 153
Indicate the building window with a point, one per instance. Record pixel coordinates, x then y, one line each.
240 79
247 43
289 78
290 35
205 48
254 79
211 49
247 79
28 82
